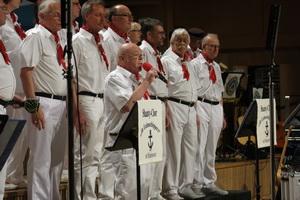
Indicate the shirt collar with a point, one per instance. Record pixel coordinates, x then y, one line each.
90 36
149 47
44 31
116 36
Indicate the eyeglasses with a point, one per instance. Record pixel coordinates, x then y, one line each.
161 33
4 8
54 14
76 4
213 46
129 16
135 31
179 40
140 56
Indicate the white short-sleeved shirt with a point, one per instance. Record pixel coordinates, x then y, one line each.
207 89
157 87
92 68
38 50
179 87
12 42
112 43
7 80
119 86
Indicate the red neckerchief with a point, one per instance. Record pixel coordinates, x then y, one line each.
100 47
119 32
160 66
194 52
146 94
212 73
75 25
138 77
4 53
185 70
17 26
60 52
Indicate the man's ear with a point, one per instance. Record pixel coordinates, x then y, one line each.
41 16
149 34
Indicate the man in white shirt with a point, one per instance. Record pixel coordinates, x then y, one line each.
210 110
196 36
153 36
12 36
182 134
122 90
120 19
44 85
92 68
7 86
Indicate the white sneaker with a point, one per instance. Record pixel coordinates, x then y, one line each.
214 191
9 186
173 196
188 193
198 191
157 198
22 185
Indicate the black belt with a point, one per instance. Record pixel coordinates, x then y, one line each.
190 104
208 101
91 94
51 96
4 103
163 99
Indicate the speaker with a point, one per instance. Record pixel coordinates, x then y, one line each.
273 27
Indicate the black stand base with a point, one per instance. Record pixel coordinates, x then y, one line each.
233 195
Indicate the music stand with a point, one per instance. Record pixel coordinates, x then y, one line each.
248 128
9 135
293 119
128 138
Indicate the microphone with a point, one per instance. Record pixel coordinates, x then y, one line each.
147 66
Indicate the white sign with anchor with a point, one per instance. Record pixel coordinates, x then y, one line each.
263 123
150 131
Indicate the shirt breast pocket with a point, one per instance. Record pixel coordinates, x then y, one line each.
50 57
91 58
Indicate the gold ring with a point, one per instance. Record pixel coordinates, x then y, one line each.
35 122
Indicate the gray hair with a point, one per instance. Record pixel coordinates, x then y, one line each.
88 6
208 37
45 6
179 31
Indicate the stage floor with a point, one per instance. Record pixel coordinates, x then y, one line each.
237 176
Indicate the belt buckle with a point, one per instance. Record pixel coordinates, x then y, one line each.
179 101
52 96
97 95
203 99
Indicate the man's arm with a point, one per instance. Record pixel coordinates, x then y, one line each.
139 92
38 118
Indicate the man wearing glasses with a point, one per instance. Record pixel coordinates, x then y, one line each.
122 90
45 89
210 113
120 19
153 37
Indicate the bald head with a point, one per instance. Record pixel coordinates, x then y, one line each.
121 16
130 57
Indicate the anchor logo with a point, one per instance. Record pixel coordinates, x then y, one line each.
267 130
150 143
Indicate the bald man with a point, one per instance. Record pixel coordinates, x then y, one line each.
120 18
122 90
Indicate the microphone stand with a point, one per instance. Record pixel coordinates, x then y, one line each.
275 13
66 6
